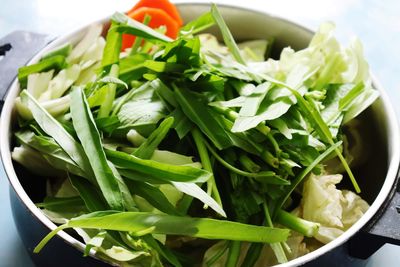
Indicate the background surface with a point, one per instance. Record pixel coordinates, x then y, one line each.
376 23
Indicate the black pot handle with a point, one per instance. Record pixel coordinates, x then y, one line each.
383 228
17 48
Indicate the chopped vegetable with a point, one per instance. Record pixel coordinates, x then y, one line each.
161 13
164 5
181 138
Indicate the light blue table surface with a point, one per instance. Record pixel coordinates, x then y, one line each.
376 23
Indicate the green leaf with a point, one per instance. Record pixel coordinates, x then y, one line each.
182 124
146 150
87 133
141 177
164 92
108 124
172 225
63 50
33 161
53 128
113 47
184 51
323 131
130 26
143 92
153 195
51 151
306 171
195 191
92 198
132 67
161 171
56 62
199 113
63 204
141 112
139 43
227 35
127 198
265 104
163 67
268 177
253 101
199 24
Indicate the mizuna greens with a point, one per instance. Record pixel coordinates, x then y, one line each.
187 152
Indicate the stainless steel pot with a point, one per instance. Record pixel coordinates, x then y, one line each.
378 178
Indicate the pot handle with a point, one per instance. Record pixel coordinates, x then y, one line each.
16 49
383 228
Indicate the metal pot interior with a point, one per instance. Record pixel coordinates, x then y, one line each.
378 123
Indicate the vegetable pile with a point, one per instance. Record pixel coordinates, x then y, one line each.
181 151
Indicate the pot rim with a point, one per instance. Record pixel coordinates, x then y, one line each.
392 136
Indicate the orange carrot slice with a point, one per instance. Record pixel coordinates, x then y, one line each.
158 18
165 5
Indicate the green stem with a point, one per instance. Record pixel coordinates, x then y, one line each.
270 159
233 115
47 238
233 254
296 181
274 143
249 164
252 255
230 114
264 129
348 170
205 161
233 168
138 40
276 247
306 228
126 97
106 106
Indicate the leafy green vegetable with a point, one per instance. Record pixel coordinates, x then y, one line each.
226 34
53 128
162 171
56 62
108 99
307 170
61 204
141 112
88 135
90 195
203 117
128 25
51 151
138 222
201 23
154 196
113 47
63 50
146 150
249 133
